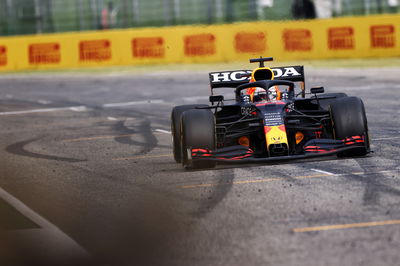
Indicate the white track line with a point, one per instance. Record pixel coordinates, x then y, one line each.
62 238
122 104
351 173
162 131
44 102
81 108
322 172
388 138
46 110
23 209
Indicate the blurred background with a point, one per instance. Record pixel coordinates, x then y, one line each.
48 16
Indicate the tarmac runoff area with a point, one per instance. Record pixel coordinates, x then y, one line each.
87 177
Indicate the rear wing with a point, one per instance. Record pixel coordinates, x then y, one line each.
232 79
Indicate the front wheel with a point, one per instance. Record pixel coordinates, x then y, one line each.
326 99
176 117
349 119
197 131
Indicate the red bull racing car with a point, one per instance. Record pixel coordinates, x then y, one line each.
271 119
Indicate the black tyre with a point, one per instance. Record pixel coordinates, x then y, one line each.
325 103
334 94
176 116
349 119
197 131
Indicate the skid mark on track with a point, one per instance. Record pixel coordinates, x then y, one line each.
19 149
108 137
374 187
96 138
143 130
124 130
148 136
370 179
216 194
142 157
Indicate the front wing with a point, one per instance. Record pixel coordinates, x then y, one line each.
313 148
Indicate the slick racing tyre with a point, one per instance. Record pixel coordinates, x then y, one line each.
176 116
349 119
197 131
325 103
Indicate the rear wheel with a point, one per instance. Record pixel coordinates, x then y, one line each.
176 116
197 131
349 119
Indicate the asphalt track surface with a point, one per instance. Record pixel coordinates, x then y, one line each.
87 177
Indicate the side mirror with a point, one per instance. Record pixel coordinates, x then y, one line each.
216 98
317 90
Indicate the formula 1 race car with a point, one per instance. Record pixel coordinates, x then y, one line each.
270 120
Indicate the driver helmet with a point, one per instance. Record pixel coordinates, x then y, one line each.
274 93
260 95
256 94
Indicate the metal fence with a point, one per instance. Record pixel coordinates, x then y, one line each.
45 16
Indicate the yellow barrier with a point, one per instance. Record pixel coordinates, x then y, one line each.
353 37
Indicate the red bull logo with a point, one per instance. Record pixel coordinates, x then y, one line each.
341 38
3 55
249 42
200 44
382 36
97 50
297 40
44 53
148 47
